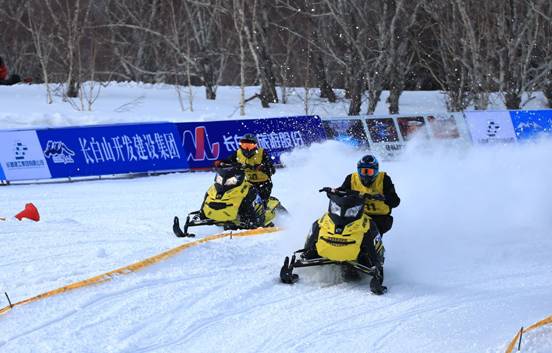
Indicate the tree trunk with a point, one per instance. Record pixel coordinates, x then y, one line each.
268 92
548 94
396 86
210 92
548 89
264 101
326 90
356 95
72 89
394 95
268 79
512 100
373 99
456 99
208 77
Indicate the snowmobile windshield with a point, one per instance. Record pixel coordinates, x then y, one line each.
228 178
345 208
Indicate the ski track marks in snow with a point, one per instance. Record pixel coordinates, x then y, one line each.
467 262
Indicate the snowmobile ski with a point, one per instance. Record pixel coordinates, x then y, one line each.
178 232
286 273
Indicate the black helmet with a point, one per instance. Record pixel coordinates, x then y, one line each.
248 145
368 169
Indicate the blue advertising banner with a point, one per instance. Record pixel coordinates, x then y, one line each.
2 176
529 124
112 149
209 141
348 130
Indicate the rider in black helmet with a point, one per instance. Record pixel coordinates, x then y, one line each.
258 164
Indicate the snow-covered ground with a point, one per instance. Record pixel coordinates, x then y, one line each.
468 260
23 105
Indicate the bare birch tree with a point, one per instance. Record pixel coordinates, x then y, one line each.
134 52
70 19
444 54
518 29
238 15
256 33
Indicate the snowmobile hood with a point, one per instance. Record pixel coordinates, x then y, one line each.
228 178
341 244
224 207
345 209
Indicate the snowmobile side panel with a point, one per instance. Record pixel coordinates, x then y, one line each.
273 206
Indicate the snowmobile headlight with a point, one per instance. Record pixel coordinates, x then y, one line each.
218 179
334 208
353 211
231 181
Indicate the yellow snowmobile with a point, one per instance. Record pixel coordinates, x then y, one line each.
231 202
342 236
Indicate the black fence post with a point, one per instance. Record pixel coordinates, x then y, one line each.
520 335
9 301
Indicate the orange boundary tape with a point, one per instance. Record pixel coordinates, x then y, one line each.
543 322
137 266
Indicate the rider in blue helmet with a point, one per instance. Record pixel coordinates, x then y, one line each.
378 185
368 169
380 199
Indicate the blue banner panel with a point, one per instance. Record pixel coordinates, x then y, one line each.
349 131
529 124
206 142
2 176
112 149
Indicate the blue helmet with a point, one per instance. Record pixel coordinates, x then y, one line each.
368 169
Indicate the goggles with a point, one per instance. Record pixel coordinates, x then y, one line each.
367 171
248 146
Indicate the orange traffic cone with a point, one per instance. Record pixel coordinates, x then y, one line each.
29 212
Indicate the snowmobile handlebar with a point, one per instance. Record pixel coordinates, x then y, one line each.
235 165
343 192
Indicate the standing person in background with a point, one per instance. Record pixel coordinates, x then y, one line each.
5 78
257 164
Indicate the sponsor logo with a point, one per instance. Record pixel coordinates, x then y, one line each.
199 145
529 125
20 150
20 162
493 134
492 129
58 152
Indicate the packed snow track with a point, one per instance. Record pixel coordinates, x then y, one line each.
468 262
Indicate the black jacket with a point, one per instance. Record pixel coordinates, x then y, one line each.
391 198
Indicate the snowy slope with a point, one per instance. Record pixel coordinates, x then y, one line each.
26 105
468 262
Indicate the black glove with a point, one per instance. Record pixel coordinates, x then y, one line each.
326 189
378 197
